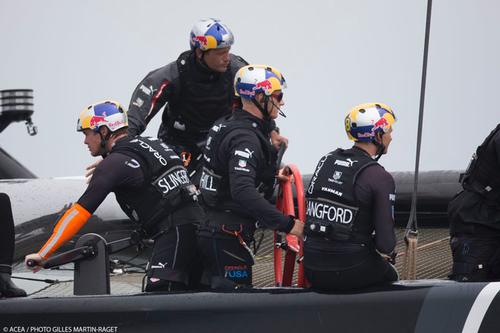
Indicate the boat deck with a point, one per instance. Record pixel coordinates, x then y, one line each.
433 262
430 304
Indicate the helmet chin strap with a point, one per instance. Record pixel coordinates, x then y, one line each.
104 142
202 62
380 148
262 109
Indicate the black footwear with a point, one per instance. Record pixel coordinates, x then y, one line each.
8 288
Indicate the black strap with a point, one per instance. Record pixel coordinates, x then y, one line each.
218 218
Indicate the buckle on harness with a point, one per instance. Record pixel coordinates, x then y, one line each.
317 228
185 158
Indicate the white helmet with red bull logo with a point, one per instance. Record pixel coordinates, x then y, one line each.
364 121
106 113
253 79
208 34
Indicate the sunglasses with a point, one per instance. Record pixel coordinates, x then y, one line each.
278 97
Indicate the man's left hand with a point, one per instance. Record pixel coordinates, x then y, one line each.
90 170
390 258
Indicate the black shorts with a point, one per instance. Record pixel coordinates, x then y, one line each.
476 258
174 259
227 263
369 271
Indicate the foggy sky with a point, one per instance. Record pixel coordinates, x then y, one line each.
334 55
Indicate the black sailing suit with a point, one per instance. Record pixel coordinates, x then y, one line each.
474 216
238 177
350 196
153 189
193 96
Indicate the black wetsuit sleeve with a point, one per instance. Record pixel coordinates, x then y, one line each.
245 158
150 95
112 173
381 186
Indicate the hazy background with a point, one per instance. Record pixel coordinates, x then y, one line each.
334 55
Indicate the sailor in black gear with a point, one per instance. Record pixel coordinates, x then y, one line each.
238 178
474 216
7 287
153 189
195 90
349 232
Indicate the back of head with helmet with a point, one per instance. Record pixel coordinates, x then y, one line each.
364 121
253 79
106 113
208 34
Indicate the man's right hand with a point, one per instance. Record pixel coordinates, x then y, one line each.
277 140
390 258
37 259
298 229
90 170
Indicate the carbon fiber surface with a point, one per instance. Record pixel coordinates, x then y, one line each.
433 262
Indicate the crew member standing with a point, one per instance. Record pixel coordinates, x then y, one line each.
238 178
351 196
152 187
474 216
196 90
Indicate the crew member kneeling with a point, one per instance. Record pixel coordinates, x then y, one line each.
238 177
351 196
152 187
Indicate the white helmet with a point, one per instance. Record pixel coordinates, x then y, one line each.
364 121
107 113
208 34
253 79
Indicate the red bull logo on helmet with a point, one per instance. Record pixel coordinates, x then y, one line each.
96 120
381 123
202 40
265 85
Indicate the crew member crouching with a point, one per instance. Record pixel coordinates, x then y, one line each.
351 196
152 187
